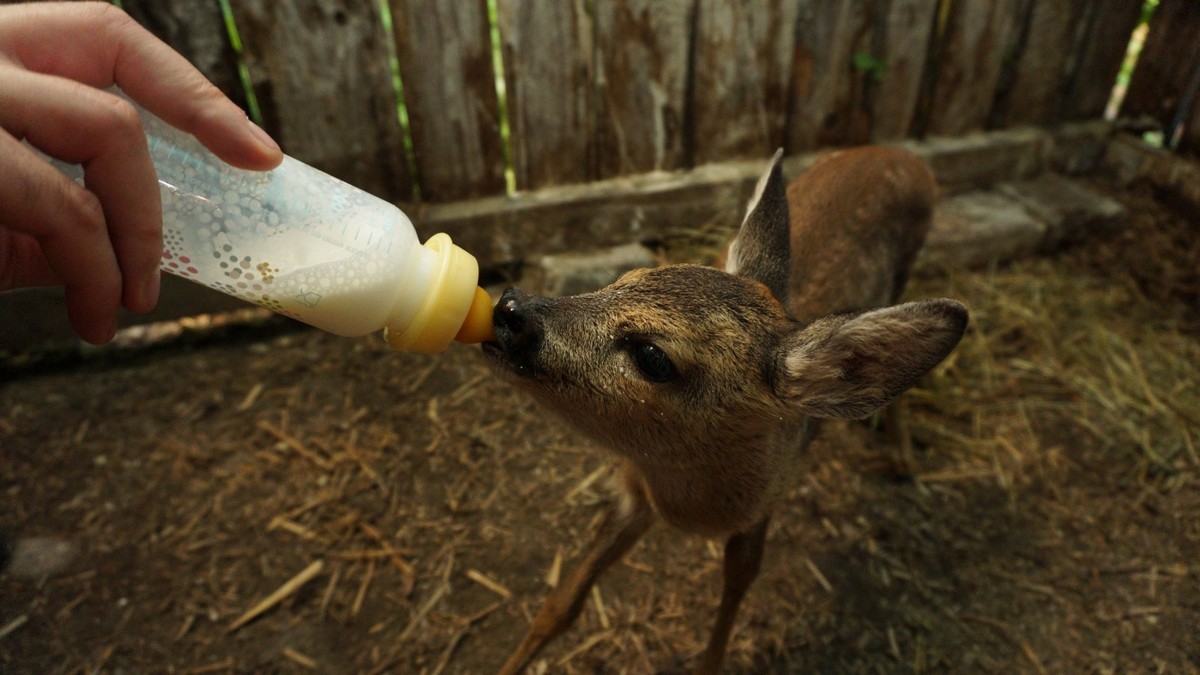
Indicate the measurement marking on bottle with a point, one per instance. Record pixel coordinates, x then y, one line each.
308 298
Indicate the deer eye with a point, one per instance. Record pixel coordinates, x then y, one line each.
652 361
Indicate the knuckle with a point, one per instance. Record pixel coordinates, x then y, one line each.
109 16
209 101
83 210
117 117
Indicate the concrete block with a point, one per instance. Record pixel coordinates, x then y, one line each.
1077 148
1070 211
1125 159
1128 159
976 228
1185 185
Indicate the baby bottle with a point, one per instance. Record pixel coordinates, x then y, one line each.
304 244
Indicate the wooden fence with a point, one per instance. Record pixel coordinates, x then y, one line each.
594 90
604 88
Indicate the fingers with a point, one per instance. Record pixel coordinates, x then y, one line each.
99 45
104 242
98 130
56 233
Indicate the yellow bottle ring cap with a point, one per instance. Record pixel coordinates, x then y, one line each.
447 301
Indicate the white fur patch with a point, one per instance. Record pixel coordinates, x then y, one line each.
762 184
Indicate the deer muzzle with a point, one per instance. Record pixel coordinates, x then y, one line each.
519 332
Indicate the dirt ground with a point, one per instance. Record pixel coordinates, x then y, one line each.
1052 525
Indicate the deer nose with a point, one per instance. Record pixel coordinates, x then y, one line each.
517 326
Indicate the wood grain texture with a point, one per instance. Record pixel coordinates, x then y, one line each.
858 70
320 72
902 43
970 57
197 31
445 55
1037 92
827 105
547 51
742 62
1100 53
641 84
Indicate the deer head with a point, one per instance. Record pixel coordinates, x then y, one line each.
687 370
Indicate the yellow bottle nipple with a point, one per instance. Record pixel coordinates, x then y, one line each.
477 327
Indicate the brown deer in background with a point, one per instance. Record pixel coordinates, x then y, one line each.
709 384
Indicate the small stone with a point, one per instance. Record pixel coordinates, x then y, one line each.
40 557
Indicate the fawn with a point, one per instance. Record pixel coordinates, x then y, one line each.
708 384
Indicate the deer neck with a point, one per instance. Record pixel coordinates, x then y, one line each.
724 489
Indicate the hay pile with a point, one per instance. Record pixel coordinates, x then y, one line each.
1102 339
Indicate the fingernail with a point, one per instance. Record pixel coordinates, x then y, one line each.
150 291
110 332
263 137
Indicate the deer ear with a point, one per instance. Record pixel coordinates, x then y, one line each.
850 366
761 250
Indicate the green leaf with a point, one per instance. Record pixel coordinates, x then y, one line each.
872 66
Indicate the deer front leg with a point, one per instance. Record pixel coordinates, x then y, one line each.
743 558
625 523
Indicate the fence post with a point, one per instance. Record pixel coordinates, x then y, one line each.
320 71
445 55
742 71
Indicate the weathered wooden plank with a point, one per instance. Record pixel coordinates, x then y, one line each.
1168 56
1036 94
647 207
321 75
827 104
36 318
741 62
641 73
445 55
970 59
902 40
197 31
1100 53
547 51
597 214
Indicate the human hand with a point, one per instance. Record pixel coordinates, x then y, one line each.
103 242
